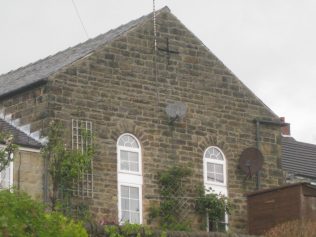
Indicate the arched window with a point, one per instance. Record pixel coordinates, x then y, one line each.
215 180
214 167
129 154
130 180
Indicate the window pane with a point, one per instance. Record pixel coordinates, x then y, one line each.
125 191
219 156
210 167
124 155
135 205
210 176
128 141
125 204
135 218
133 156
220 178
214 153
121 142
124 165
133 167
5 177
134 192
219 169
125 216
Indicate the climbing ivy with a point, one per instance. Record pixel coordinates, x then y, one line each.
169 211
64 164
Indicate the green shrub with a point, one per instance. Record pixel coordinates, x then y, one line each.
126 230
215 206
21 216
293 229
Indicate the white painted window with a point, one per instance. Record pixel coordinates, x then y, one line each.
214 167
130 204
215 179
6 176
130 180
129 154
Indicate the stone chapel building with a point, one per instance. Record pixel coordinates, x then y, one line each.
119 86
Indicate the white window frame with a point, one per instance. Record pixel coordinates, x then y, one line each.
214 161
129 178
11 171
129 149
213 186
140 201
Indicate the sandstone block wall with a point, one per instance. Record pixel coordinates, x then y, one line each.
30 106
28 171
125 87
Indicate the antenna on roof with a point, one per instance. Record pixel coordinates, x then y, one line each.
155 55
78 14
155 26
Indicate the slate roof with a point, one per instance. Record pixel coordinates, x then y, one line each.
298 158
39 71
20 138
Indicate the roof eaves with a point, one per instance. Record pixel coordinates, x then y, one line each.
24 88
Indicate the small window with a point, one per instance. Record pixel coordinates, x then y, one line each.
129 154
130 204
6 177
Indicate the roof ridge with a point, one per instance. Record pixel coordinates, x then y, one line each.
163 9
19 78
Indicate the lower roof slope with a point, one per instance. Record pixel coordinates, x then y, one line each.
19 137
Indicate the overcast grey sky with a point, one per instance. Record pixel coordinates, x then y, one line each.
269 44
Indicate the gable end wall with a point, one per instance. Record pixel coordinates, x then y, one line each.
121 89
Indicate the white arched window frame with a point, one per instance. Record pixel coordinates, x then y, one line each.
214 168
215 174
129 154
130 180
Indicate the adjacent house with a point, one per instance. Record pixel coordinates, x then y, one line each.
298 159
153 100
26 172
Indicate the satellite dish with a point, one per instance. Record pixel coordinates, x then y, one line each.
251 161
176 110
